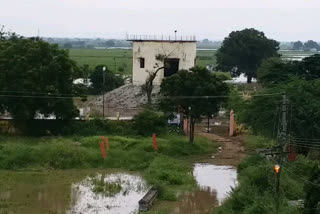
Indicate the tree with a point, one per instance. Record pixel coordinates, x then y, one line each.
243 51
110 43
309 67
147 88
261 113
35 77
110 79
310 44
274 70
297 46
67 45
177 89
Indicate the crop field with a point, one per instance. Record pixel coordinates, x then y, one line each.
120 60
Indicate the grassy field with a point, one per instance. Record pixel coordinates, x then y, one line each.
169 168
116 58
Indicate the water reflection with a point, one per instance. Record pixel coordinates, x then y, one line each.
85 200
215 182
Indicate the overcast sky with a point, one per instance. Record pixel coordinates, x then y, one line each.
283 20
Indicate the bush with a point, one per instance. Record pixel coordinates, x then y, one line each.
150 122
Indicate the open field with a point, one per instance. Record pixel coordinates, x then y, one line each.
117 58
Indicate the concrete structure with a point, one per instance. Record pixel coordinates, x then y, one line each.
180 53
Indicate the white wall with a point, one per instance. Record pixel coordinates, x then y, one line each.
185 51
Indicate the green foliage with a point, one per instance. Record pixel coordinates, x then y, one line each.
261 113
313 191
149 122
199 82
110 80
255 192
276 71
257 142
32 67
243 51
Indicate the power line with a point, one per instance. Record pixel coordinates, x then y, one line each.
210 97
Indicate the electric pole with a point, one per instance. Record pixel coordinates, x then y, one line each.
103 82
282 140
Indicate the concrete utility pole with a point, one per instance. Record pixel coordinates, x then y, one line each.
282 140
103 81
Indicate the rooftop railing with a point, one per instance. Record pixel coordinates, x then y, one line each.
161 38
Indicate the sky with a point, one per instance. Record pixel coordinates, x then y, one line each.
283 20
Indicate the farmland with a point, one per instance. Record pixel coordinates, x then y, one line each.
121 59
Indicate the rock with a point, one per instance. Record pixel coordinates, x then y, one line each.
212 156
220 148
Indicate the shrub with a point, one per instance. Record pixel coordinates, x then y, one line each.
150 122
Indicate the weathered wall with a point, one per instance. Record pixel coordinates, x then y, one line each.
185 51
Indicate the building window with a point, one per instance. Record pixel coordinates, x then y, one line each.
141 62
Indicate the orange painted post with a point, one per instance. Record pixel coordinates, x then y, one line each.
107 143
155 145
232 124
103 151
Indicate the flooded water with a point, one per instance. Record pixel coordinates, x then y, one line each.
86 200
71 192
215 183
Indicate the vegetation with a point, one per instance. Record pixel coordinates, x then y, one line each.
168 168
243 51
104 81
149 122
33 74
256 189
199 82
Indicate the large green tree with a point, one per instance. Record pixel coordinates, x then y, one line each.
243 51
185 92
35 77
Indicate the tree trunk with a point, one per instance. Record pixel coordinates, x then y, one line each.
249 78
191 132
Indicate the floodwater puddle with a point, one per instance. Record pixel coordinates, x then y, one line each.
72 192
115 193
215 183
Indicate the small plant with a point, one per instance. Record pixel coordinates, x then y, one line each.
108 189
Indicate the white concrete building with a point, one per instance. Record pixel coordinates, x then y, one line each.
179 52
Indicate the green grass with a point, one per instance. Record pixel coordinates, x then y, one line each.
114 58
169 168
253 142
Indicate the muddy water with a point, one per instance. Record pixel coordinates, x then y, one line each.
69 192
215 183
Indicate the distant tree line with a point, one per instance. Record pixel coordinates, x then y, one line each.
87 42
307 46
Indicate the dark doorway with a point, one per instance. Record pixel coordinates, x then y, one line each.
171 66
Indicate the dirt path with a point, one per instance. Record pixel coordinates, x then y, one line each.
231 151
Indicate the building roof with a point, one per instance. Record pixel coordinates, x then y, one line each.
161 38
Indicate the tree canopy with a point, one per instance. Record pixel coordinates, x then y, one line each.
275 71
111 81
35 77
297 45
243 51
181 93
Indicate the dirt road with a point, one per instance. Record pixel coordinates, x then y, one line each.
231 151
